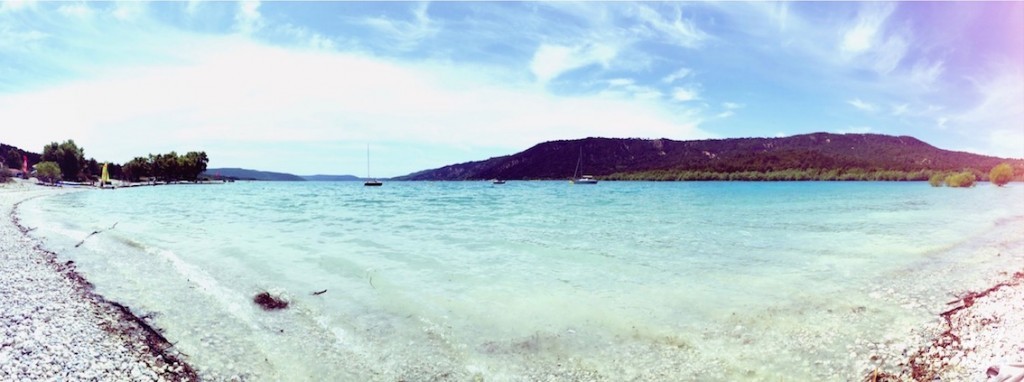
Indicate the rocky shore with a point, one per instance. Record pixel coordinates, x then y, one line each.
53 327
980 337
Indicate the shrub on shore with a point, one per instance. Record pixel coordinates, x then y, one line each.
1001 174
960 179
48 171
937 179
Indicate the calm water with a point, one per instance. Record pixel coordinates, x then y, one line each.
536 280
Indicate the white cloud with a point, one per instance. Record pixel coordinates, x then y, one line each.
16 5
685 94
627 87
16 39
551 61
621 82
732 105
725 114
78 10
248 18
676 75
889 54
866 42
925 74
901 109
863 34
231 89
128 10
1000 113
407 33
861 105
675 30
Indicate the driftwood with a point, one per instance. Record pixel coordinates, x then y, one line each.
93 233
320 292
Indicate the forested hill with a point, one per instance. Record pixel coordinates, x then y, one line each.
12 156
246 174
822 156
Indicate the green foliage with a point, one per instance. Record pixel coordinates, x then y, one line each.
1001 174
13 158
854 174
168 167
68 156
937 179
48 171
3 173
961 179
135 169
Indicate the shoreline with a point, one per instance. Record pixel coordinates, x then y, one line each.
55 326
979 333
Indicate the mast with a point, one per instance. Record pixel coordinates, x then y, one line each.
367 161
578 162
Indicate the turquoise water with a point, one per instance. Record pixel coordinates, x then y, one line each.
536 280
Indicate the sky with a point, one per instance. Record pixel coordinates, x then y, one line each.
310 87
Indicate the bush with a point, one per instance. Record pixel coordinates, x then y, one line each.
3 173
48 171
1001 174
960 179
937 179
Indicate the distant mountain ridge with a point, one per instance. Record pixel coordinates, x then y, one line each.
330 178
823 155
246 174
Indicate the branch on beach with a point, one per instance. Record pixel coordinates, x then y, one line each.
320 292
93 233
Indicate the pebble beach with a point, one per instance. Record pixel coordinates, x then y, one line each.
54 327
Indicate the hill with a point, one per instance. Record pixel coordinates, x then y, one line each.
246 174
823 156
330 178
12 156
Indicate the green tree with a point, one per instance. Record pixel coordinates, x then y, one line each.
68 156
1001 174
13 158
937 179
48 171
136 168
193 164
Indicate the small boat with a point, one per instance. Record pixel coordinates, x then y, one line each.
497 181
585 179
371 182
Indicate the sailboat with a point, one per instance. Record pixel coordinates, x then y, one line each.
585 179
371 182
105 177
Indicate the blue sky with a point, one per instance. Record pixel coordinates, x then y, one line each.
304 87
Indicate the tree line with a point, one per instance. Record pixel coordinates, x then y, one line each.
67 161
999 175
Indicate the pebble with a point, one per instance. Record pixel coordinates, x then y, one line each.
50 328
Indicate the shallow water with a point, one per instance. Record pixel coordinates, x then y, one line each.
535 280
